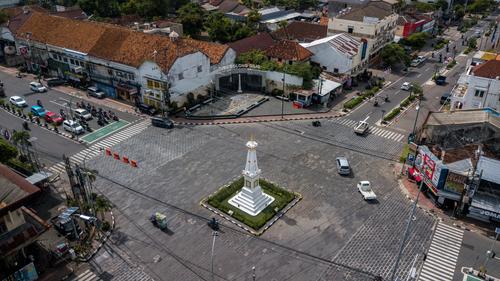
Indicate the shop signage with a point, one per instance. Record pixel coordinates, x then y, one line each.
75 54
485 212
455 182
431 167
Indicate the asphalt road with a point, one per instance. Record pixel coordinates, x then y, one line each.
418 75
473 254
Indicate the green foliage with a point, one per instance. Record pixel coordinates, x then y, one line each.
481 6
451 64
441 43
100 8
22 167
441 4
192 16
424 7
253 18
404 153
292 4
256 57
353 102
222 29
3 17
190 99
281 199
393 54
303 70
416 40
7 151
20 137
472 43
459 11
393 113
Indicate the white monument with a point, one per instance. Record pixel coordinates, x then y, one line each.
251 199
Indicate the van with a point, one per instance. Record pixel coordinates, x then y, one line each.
343 167
162 122
94 92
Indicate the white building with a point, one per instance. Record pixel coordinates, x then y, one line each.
374 23
340 53
478 87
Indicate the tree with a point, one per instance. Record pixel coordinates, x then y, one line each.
472 43
102 205
222 29
416 40
7 151
393 54
459 11
253 18
441 4
192 16
100 8
416 90
424 7
21 137
3 17
481 6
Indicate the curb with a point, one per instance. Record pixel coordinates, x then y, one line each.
243 226
257 120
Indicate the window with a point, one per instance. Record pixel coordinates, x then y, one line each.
110 72
479 93
150 84
131 77
335 70
200 68
72 61
157 85
65 59
181 76
350 29
248 184
153 84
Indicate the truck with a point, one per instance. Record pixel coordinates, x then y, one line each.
361 127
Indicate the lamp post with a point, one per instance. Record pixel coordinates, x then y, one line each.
283 96
416 118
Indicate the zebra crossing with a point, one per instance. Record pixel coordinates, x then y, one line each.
99 147
443 254
87 275
372 130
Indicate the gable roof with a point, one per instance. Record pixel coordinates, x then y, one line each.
490 69
228 6
343 42
301 31
374 9
114 43
260 41
288 50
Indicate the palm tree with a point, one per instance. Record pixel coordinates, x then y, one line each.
21 137
417 90
102 204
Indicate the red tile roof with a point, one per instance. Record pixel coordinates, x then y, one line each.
489 69
114 43
288 50
301 31
259 41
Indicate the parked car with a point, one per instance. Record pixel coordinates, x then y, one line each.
440 80
73 127
37 87
82 113
144 108
343 167
406 86
364 187
53 82
52 117
162 122
417 61
18 101
94 92
38 111
445 98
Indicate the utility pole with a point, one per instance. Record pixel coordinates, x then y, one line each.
214 234
283 95
416 118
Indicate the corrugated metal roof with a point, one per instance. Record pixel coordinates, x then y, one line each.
490 169
342 42
472 116
460 167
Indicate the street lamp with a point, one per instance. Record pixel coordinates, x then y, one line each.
416 118
214 234
283 95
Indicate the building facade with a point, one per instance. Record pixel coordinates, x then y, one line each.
374 22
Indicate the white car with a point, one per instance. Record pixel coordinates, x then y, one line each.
406 86
366 191
37 87
73 127
417 61
18 101
82 113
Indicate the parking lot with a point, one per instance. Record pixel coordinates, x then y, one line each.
55 101
332 234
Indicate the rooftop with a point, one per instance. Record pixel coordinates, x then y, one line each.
373 9
288 50
343 42
489 168
461 117
489 69
260 41
14 191
301 31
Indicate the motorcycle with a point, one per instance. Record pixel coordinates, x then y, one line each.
375 103
93 112
39 103
100 122
25 126
115 118
386 99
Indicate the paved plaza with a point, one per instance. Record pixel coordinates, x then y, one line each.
332 234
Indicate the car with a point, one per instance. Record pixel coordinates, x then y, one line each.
94 92
18 101
343 167
145 108
445 98
162 122
417 61
53 82
37 87
477 33
38 111
82 113
73 127
52 117
364 187
406 86
440 80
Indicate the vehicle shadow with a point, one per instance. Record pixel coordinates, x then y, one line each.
373 202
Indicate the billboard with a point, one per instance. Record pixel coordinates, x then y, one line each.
431 167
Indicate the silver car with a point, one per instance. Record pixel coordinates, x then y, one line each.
343 167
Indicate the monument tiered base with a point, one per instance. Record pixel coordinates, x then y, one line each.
251 201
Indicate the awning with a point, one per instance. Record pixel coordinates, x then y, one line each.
38 177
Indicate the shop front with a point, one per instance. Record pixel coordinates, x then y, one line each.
484 210
127 93
430 171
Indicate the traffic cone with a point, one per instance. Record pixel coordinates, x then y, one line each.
133 163
108 152
116 155
125 160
